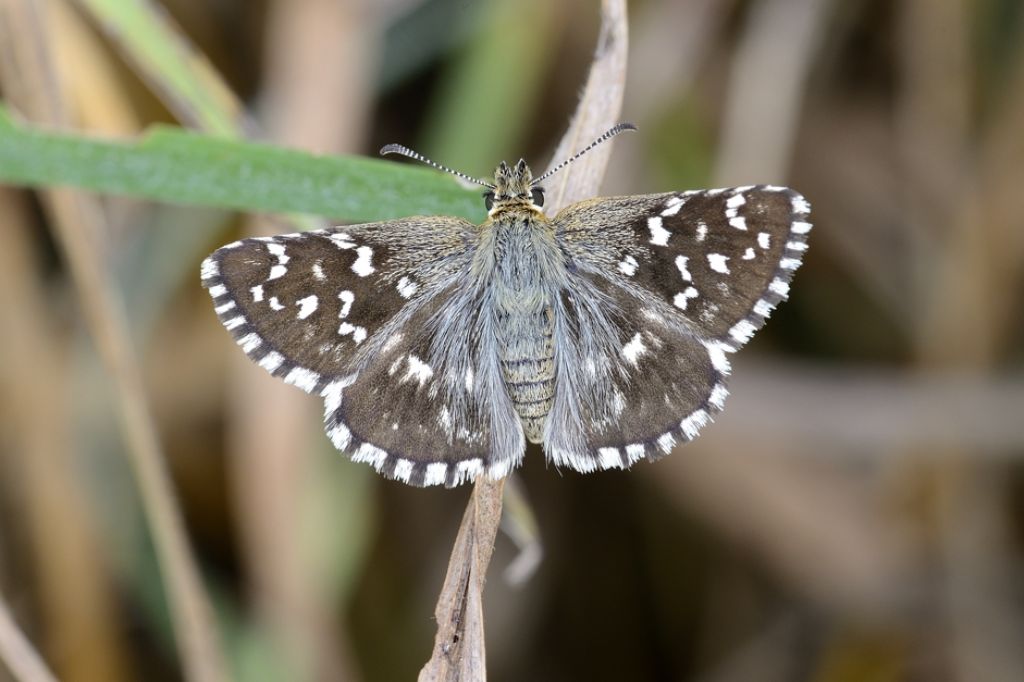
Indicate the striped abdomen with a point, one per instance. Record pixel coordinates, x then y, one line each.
527 363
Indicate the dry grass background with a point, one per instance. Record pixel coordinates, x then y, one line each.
857 513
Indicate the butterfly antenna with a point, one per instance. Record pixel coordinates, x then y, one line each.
606 136
405 151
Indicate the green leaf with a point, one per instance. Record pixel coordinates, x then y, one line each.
174 166
163 56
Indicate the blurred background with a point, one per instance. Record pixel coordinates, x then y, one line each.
857 513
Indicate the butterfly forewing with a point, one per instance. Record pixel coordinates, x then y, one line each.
305 305
722 258
685 278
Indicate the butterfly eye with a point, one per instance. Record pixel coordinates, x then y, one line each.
537 194
488 200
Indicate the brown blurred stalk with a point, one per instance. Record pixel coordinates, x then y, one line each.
79 615
31 84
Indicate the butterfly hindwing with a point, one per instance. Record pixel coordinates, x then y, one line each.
640 383
722 258
430 406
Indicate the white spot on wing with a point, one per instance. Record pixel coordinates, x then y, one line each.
748 254
779 287
275 304
665 442
436 472
692 425
224 308
307 306
370 454
742 331
499 469
739 222
218 290
635 452
250 342
234 322
789 263
444 418
628 266
418 370
277 272
735 201
403 470
332 397
303 378
407 287
763 308
358 333
634 349
469 469
279 251
340 436
257 293
659 235
763 240
363 267
681 264
318 271
702 231
800 205
718 395
271 361
208 268
342 241
800 227
719 360
718 263
347 298
609 458
682 299
673 205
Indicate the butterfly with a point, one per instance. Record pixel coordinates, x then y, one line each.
441 347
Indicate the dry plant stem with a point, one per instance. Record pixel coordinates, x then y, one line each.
77 219
78 620
459 652
597 111
23 661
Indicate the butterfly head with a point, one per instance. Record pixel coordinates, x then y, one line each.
513 189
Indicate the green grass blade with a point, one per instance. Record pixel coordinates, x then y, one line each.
174 166
162 56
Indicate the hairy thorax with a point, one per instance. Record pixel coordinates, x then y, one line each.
525 252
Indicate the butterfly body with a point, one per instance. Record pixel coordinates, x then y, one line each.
440 348
518 243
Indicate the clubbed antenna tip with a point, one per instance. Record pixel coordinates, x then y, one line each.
610 133
405 151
